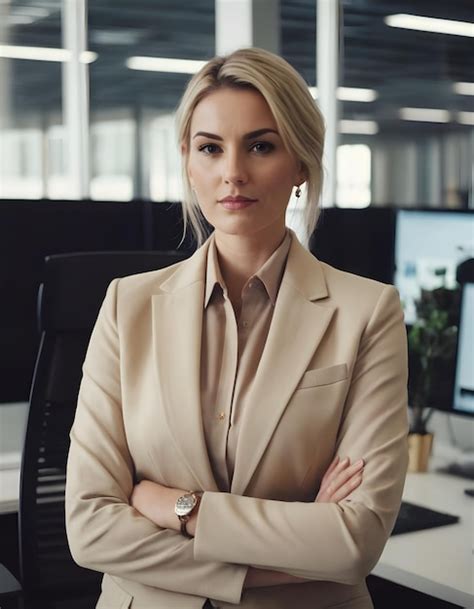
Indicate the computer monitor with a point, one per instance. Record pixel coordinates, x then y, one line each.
463 394
463 400
429 245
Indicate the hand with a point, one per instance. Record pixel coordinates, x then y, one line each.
156 502
340 480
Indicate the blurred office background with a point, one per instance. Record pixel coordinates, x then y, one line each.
89 160
404 97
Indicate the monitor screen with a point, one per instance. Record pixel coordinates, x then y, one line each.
463 402
429 245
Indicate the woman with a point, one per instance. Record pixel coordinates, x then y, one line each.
218 393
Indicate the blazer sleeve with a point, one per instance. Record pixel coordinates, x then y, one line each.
104 532
325 541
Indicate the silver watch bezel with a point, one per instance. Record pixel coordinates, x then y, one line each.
185 504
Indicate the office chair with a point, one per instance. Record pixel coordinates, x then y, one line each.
69 299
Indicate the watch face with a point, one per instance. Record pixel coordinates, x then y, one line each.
184 505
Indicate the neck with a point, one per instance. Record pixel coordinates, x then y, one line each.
241 256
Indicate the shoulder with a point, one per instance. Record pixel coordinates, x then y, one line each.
371 302
350 294
342 283
148 283
134 290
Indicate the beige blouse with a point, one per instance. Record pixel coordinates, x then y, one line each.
230 353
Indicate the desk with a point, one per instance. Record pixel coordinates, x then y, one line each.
9 488
12 428
438 562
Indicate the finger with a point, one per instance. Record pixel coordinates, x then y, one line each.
331 476
342 477
348 472
338 479
346 489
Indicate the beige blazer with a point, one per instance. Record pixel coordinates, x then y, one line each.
332 379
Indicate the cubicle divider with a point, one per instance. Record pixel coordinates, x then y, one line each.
31 230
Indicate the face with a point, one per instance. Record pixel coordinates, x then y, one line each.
238 166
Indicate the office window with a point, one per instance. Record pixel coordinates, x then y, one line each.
112 147
405 93
140 153
30 95
353 175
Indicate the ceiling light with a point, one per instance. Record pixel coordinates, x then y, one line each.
430 24
466 118
120 36
356 94
359 127
88 56
43 53
464 88
31 11
350 94
429 115
165 64
20 20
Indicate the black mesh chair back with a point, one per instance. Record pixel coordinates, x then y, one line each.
68 304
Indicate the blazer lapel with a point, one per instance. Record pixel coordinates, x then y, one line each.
298 325
177 326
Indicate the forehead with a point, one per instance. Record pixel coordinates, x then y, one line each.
232 110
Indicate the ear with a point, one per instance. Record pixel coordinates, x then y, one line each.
302 174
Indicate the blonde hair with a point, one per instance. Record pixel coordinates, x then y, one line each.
299 121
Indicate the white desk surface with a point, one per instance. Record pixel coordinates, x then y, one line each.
12 425
438 562
9 490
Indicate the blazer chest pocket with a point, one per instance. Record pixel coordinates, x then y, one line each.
323 376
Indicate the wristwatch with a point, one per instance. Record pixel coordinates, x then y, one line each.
184 507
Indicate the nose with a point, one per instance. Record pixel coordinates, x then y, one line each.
235 171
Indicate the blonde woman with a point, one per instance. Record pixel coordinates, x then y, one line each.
240 436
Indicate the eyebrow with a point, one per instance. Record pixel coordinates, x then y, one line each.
247 136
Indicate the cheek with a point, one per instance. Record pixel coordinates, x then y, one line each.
203 174
278 174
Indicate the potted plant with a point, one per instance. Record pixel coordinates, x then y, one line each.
432 344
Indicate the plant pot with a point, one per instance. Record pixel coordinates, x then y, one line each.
419 451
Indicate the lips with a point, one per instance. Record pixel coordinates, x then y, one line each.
237 199
235 203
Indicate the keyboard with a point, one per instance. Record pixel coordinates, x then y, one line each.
463 470
416 518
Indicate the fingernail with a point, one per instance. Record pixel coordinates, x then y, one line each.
345 460
360 462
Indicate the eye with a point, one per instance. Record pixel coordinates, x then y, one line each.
262 147
209 148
